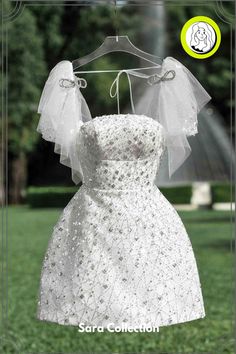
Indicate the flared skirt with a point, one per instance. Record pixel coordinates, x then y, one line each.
119 257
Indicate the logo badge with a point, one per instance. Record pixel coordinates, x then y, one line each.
200 37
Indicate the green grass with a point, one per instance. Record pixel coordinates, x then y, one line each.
28 234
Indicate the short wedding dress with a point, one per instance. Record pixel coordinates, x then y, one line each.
119 252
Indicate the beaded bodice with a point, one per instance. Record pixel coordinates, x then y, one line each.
120 151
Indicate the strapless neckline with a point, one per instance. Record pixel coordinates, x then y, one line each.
123 116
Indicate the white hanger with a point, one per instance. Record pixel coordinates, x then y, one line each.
116 44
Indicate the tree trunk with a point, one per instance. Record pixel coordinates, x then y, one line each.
18 178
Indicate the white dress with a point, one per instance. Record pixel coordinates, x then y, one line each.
119 253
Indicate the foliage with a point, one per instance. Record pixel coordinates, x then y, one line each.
222 193
48 20
215 72
49 196
26 67
177 195
210 233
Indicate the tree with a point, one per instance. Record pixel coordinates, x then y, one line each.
26 67
214 71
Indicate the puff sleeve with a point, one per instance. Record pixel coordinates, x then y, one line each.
180 101
63 110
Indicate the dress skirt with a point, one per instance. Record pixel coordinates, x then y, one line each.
120 257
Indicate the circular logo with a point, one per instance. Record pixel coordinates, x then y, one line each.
200 37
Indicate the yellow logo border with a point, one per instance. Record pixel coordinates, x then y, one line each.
184 31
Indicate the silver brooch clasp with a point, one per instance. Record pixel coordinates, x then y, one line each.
67 83
155 79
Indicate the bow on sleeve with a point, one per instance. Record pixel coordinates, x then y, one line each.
63 110
180 100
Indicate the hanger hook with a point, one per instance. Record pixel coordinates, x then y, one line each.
116 20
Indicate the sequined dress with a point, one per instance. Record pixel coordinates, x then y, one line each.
119 252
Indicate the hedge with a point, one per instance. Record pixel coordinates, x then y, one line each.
177 195
53 196
221 193
38 197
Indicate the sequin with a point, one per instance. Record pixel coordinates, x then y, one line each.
119 251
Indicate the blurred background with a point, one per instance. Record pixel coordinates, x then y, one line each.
37 187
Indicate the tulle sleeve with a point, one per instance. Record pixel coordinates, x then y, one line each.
180 101
63 110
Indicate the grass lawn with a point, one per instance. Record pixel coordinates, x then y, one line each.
28 233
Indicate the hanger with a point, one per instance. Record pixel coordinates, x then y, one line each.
116 44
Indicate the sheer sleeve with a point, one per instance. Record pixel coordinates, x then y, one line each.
179 102
63 110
